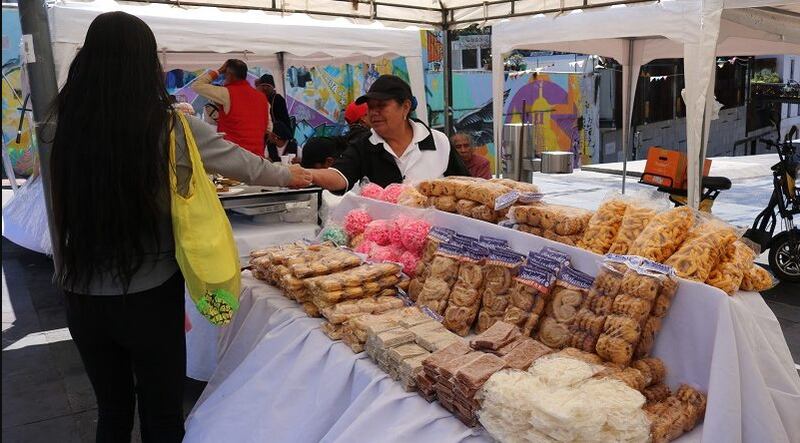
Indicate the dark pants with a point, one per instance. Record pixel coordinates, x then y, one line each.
134 346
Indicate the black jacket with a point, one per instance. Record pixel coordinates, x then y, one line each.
272 150
364 159
278 110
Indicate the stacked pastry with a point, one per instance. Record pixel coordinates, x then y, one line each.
269 264
465 297
590 319
645 294
442 274
676 414
562 307
603 227
400 350
499 271
564 224
364 281
528 297
702 251
476 198
436 236
506 341
454 375
637 216
313 263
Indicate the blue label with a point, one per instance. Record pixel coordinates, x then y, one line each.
576 278
450 249
464 239
507 224
401 294
530 197
555 253
441 234
545 262
540 279
506 256
506 200
475 252
431 313
493 241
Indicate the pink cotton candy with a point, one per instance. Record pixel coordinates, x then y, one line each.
365 247
385 253
373 191
392 191
409 261
356 221
395 234
379 232
413 234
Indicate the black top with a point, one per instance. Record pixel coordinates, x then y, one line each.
278 110
364 159
272 150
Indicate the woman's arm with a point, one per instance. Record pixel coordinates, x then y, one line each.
329 178
223 157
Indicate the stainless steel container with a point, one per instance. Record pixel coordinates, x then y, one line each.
556 162
537 165
515 142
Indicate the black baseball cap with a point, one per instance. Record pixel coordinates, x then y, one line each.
266 78
387 87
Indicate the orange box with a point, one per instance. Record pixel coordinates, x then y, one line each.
668 168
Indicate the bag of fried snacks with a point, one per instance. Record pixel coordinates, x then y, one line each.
604 225
664 234
704 248
729 272
757 279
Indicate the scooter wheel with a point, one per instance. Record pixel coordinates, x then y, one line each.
784 256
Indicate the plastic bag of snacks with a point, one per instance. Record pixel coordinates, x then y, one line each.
444 203
435 237
562 220
528 297
499 271
313 263
757 279
465 298
411 197
638 214
465 207
359 277
729 272
603 227
442 274
664 234
699 254
566 299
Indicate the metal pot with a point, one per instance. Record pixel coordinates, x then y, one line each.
556 162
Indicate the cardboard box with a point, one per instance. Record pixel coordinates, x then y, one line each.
668 168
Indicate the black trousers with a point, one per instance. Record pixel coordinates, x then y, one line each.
134 347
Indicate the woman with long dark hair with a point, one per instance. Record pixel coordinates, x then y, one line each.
111 203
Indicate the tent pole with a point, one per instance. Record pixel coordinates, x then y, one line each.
626 122
447 77
282 68
42 79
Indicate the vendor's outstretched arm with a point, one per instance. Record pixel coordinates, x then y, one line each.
329 179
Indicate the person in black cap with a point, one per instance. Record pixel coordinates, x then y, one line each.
277 104
280 142
399 148
319 153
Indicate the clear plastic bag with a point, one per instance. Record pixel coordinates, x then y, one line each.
642 208
465 298
729 272
664 234
700 253
499 272
442 274
758 279
528 297
603 227
565 301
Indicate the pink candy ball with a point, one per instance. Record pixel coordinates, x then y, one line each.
385 253
413 235
378 231
395 234
392 191
373 191
409 261
356 221
365 247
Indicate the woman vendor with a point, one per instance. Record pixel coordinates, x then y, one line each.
399 148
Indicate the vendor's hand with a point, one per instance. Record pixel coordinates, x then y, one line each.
301 177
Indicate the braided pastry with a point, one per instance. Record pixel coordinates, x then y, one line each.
636 308
615 350
589 322
620 326
641 286
565 304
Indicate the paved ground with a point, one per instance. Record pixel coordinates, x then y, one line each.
47 396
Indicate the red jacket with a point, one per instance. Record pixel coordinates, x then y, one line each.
246 123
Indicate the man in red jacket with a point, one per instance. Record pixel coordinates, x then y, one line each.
244 111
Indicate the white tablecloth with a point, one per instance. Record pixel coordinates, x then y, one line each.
201 340
280 379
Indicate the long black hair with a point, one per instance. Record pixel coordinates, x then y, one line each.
110 153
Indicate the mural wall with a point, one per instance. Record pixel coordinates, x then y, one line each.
20 149
317 96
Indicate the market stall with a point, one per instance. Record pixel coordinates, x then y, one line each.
695 31
729 347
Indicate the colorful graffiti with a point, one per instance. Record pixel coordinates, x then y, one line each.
18 140
317 96
554 103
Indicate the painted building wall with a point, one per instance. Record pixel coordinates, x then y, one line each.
21 152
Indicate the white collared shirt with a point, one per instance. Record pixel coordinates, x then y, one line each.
415 164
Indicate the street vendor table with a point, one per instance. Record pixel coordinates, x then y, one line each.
201 340
280 379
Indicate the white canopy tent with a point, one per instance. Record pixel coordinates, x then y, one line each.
637 34
204 37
